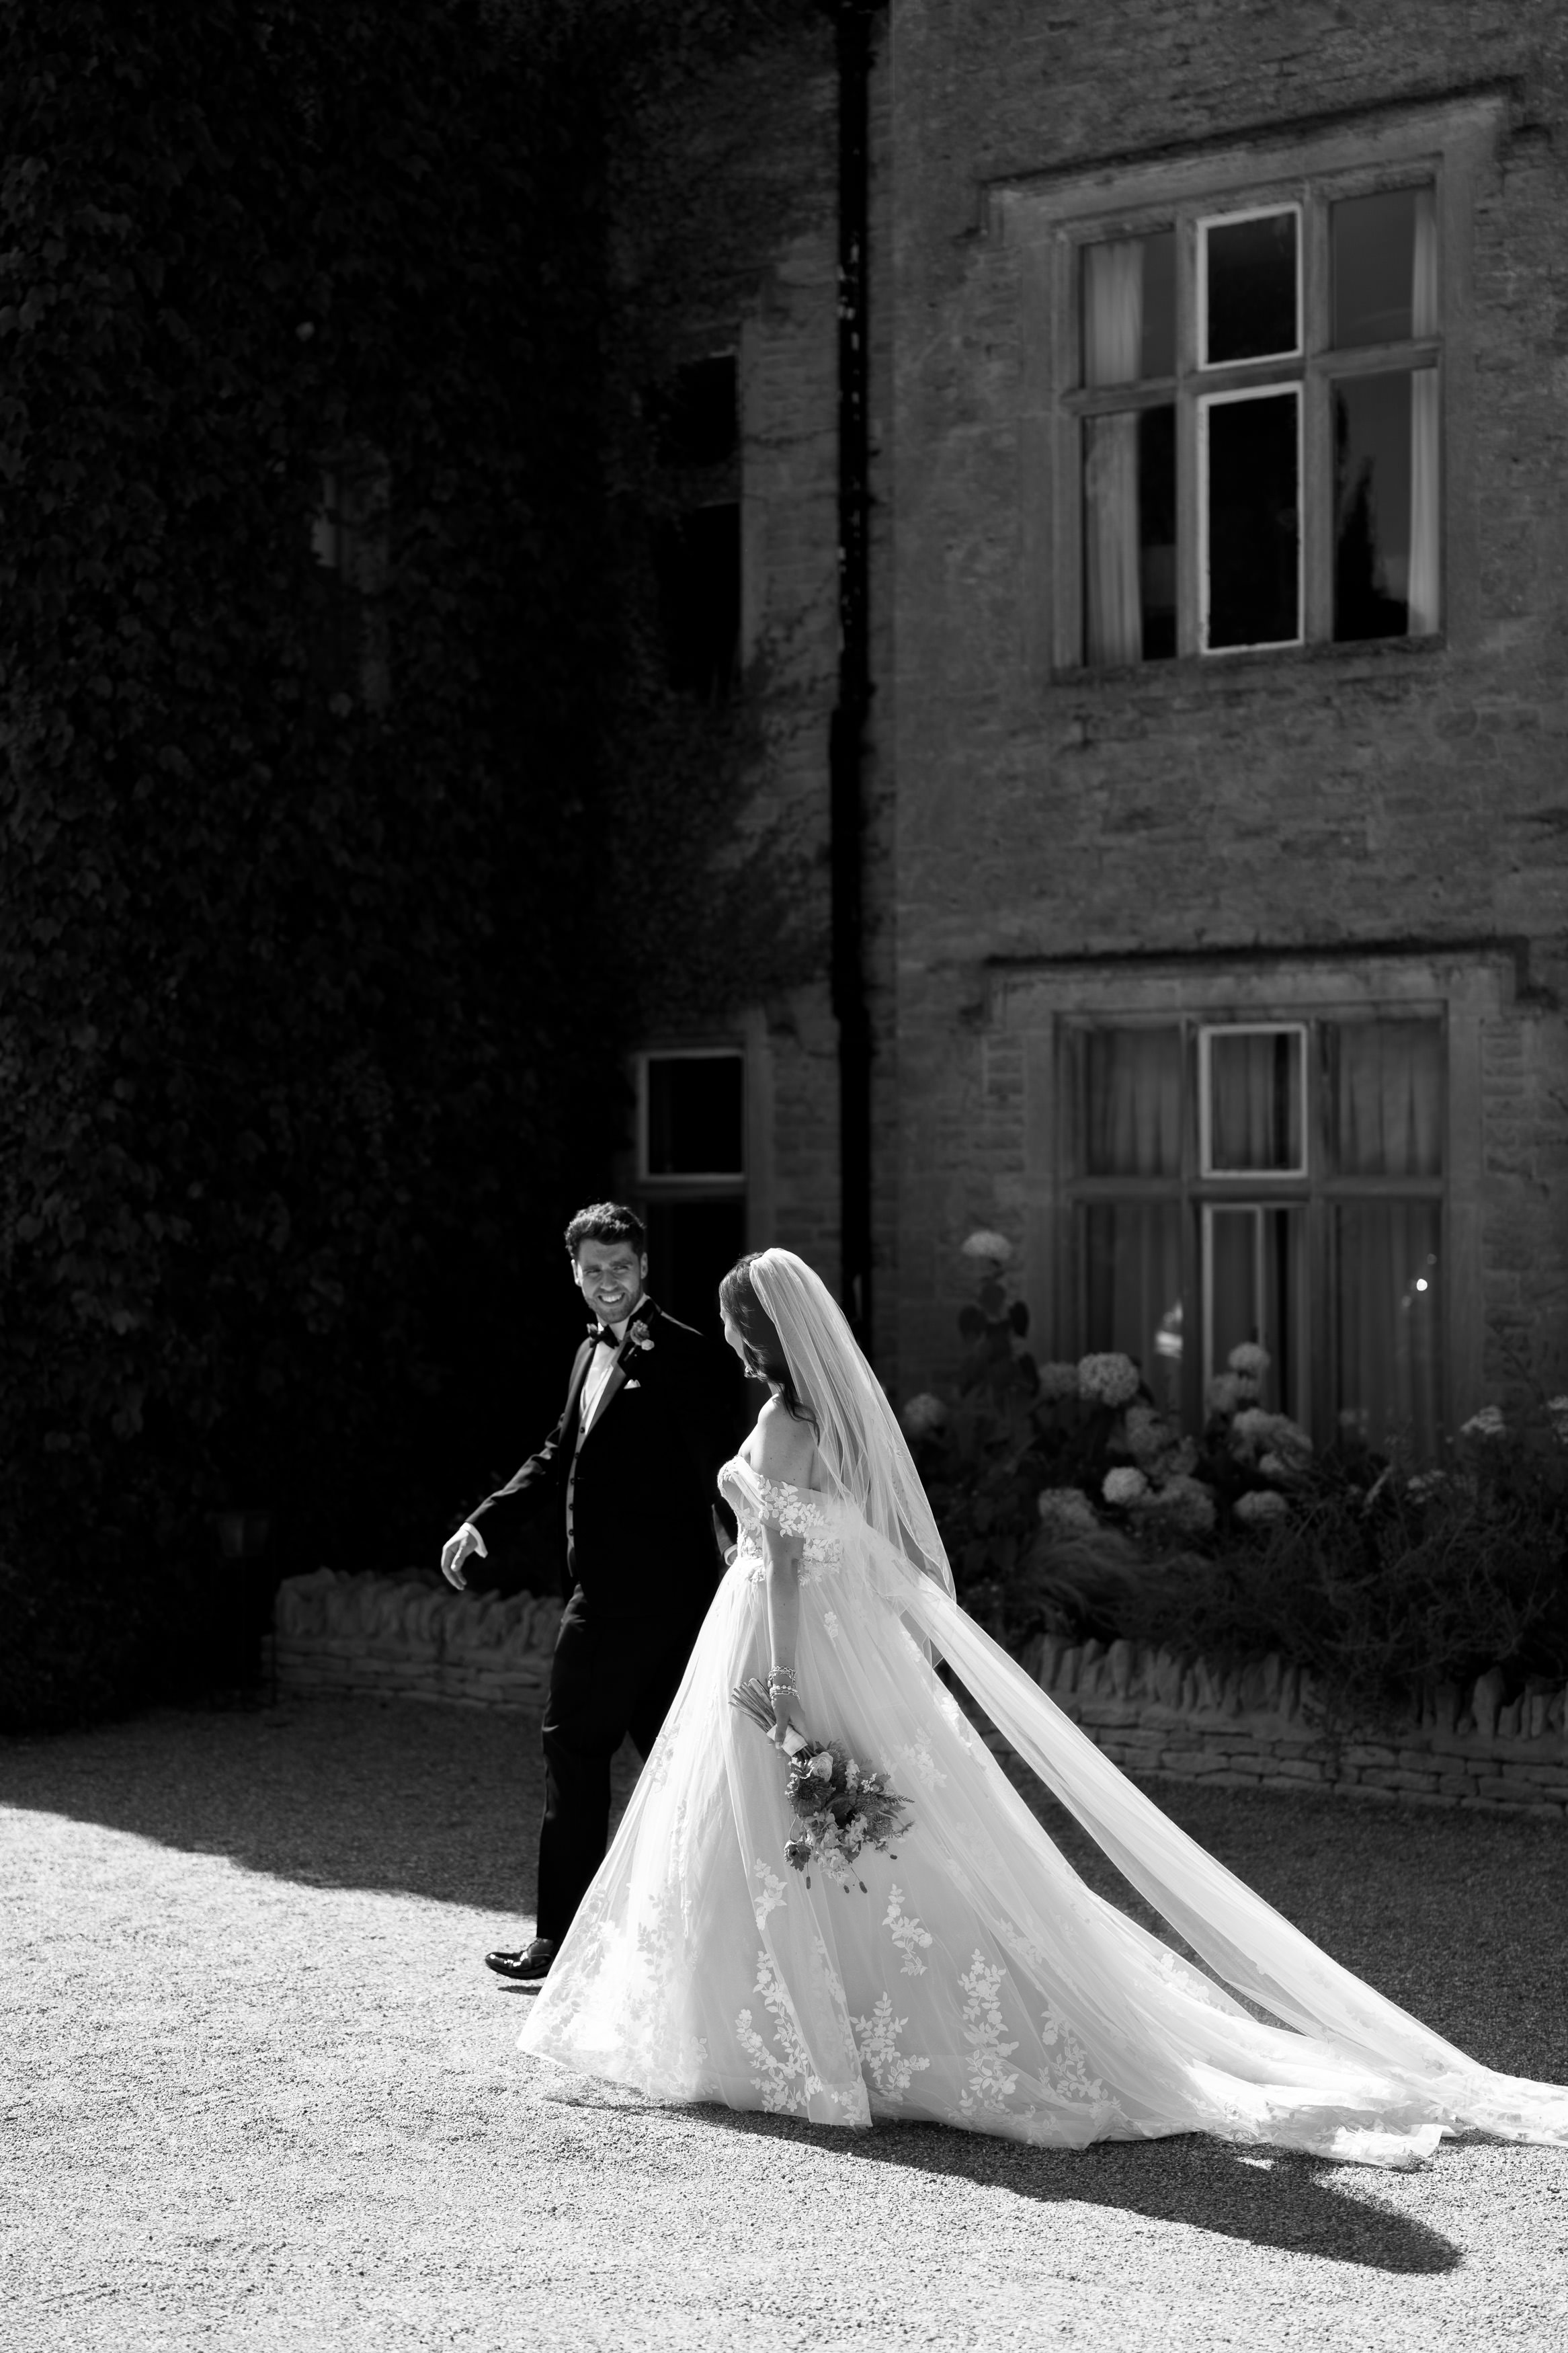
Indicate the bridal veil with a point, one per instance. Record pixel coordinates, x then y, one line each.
1250 1947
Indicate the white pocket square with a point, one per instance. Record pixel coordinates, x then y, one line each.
631 1385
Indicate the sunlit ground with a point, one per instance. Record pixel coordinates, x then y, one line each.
259 2090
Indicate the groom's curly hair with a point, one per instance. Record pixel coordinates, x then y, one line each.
606 1221
765 1358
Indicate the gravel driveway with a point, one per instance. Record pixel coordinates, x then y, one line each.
259 2092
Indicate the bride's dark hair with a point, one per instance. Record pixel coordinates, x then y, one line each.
765 1359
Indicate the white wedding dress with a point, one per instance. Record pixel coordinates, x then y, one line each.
976 1981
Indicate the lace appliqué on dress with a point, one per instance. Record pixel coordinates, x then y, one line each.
967 1736
991 2080
783 2085
795 1511
1177 1972
877 2041
1065 2077
645 1961
921 1762
770 1895
908 1934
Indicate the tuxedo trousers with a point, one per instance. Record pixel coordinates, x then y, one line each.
615 1673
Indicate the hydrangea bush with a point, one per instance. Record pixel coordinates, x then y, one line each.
1389 1584
1042 1473
1071 1503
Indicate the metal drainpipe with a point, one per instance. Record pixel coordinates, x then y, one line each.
847 741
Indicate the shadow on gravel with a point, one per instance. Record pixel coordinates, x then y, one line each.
1303 2204
387 1796
1461 1918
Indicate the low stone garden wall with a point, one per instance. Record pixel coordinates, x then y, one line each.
1250 1728
407 1637
1242 1728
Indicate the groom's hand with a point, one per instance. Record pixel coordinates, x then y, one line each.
455 1552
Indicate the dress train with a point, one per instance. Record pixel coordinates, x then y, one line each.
974 1980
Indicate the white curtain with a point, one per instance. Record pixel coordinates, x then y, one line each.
1255 1101
1390 1099
1134 1106
1133 1255
1113 336
1390 1327
1389 1122
1425 606
1133 1248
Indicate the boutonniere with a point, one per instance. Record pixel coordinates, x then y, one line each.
638 1335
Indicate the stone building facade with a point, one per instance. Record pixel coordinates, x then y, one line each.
734 1140
1220 836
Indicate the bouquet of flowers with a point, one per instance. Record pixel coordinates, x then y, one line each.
839 1807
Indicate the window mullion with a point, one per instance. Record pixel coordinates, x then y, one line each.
1188 524
1317 1398
1067 447
1318 508
1116 399
1378 359
1317 452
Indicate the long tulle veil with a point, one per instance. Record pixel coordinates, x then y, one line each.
858 1435
1244 1941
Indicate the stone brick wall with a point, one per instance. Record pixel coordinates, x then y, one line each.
1390 798
1152 1714
1251 1728
790 341
336 1636
755 134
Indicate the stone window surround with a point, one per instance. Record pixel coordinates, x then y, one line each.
756 1185
1047 218
1468 988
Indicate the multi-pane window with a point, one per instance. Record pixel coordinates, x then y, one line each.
692 1174
1257 404
1279 1181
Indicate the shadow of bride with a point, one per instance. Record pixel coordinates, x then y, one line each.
1272 2199
1305 2205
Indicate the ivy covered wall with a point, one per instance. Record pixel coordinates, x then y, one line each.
308 1034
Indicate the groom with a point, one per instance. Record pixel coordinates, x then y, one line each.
630 1466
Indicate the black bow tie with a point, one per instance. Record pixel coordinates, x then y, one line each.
601 1336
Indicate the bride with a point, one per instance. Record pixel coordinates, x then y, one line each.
976 1980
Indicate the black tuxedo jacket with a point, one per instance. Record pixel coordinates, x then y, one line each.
637 1495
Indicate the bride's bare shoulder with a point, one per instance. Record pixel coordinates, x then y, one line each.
783 1449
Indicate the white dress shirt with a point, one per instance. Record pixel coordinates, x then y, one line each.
596 1378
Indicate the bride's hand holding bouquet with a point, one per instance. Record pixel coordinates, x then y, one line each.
840 1807
769 1709
783 1695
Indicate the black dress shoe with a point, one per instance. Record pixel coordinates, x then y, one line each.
533 1961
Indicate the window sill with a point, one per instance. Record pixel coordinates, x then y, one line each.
1221 673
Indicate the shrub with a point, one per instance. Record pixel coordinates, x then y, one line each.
1070 1506
1381 1594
